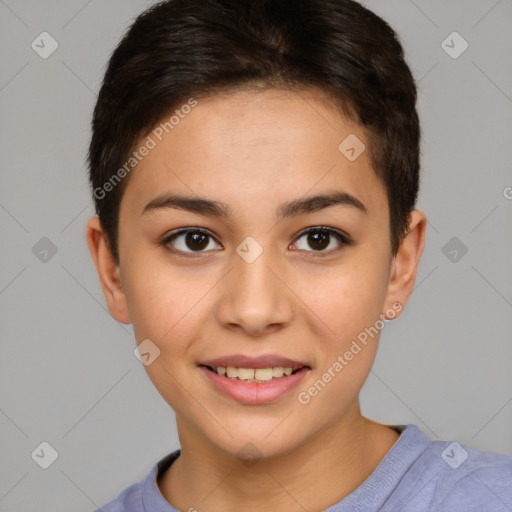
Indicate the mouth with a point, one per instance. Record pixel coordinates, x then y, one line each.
256 383
254 375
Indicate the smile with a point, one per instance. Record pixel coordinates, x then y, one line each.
259 375
256 386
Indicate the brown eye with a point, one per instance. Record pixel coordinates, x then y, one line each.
196 241
319 239
190 241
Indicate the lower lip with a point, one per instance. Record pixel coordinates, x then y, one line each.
253 392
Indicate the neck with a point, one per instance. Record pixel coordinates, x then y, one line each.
315 475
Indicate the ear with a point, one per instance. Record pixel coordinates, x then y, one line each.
108 271
404 265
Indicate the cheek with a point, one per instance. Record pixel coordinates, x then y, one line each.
350 306
155 299
164 309
167 305
349 303
349 298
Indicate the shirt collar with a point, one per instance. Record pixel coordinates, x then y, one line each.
370 495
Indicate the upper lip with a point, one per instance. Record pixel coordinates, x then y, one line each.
264 361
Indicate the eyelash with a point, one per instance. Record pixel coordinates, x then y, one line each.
338 235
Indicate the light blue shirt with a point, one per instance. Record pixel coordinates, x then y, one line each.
416 475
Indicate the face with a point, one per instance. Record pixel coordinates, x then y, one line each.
241 261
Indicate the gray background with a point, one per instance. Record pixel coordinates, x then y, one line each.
67 372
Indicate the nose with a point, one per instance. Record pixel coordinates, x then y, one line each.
255 299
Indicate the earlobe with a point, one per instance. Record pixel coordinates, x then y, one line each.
406 261
108 271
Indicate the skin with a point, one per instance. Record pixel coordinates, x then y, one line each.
253 151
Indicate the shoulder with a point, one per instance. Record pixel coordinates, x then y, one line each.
474 480
144 496
461 478
445 476
130 500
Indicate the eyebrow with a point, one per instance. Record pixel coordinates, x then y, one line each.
208 207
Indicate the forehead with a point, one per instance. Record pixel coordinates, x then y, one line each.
270 145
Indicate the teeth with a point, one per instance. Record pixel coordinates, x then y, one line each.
254 374
232 372
278 371
264 373
245 373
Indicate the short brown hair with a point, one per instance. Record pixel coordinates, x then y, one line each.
179 49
